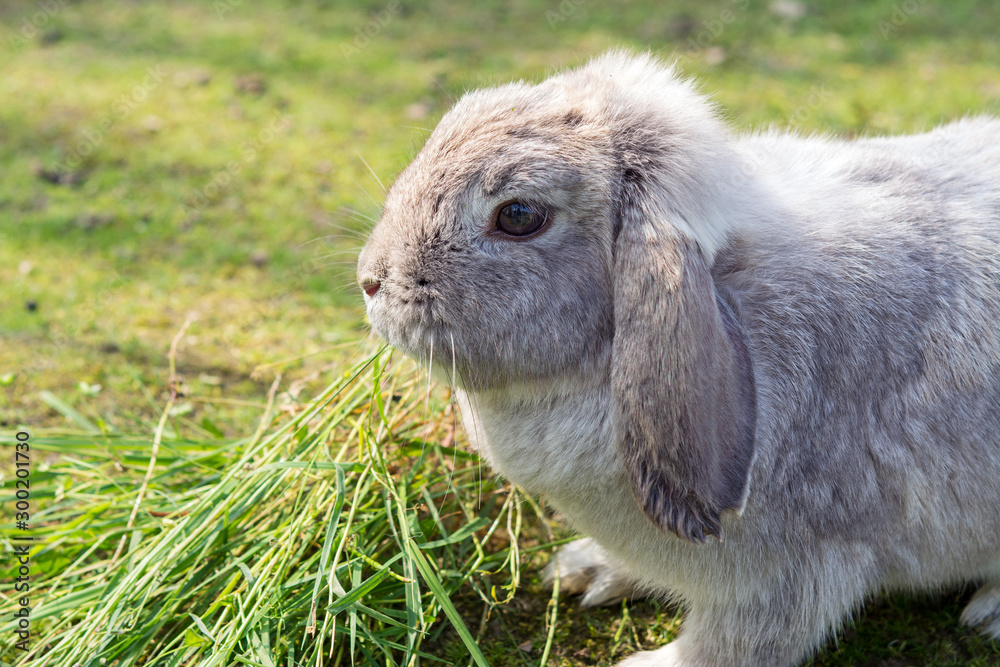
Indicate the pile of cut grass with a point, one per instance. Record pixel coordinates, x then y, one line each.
337 535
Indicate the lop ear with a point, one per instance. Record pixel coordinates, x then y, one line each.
682 382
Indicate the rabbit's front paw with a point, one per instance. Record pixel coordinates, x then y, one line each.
983 611
585 568
668 656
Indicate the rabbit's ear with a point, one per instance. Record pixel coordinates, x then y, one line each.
682 382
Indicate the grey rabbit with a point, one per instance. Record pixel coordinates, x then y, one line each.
761 373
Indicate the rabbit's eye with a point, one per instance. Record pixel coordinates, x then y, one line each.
517 219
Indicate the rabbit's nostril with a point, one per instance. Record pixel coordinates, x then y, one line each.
370 286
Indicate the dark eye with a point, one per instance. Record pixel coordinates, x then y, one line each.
517 219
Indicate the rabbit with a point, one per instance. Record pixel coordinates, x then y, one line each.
761 372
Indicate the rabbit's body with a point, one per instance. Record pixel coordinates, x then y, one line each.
806 549
832 334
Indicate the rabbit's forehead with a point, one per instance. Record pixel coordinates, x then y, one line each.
461 192
489 160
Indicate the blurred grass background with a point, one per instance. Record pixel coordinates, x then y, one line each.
223 159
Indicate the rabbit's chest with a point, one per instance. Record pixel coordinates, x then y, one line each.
562 448
564 451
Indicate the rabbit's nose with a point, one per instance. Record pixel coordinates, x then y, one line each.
368 273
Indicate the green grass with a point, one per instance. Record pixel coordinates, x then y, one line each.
301 539
222 161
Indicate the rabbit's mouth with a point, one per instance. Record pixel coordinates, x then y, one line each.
419 329
412 325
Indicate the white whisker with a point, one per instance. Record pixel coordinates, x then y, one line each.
427 393
358 215
367 194
372 172
452 359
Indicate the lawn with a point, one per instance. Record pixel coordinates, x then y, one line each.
203 174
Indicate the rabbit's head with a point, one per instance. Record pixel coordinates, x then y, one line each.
563 233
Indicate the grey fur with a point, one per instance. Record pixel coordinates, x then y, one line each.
791 343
